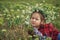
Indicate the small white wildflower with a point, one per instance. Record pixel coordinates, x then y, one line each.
53 6
23 11
17 16
4 30
30 8
43 0
11 10
18 10
58 15
0 14
27 17
40 3
27 3
29 12
26 6
26 22
54 12
14 17
37 5
6 10
22 16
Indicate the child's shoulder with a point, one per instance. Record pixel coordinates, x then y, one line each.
49 25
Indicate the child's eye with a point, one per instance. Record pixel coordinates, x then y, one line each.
32 18
37 19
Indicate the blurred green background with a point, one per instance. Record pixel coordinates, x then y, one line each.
14 16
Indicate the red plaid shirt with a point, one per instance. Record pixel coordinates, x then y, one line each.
49 30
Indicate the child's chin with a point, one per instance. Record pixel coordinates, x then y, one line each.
33 25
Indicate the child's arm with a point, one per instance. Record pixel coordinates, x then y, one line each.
53 32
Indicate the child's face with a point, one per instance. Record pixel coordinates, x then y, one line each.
35 20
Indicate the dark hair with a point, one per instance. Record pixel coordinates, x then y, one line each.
39 12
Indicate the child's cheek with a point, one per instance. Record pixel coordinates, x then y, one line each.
38 22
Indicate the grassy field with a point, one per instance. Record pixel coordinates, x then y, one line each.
14 17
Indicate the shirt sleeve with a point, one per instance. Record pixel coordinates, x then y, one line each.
53 32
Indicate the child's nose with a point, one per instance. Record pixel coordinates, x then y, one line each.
34 20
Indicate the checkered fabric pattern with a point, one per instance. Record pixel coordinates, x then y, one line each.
49 30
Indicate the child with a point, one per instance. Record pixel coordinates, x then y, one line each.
37 20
